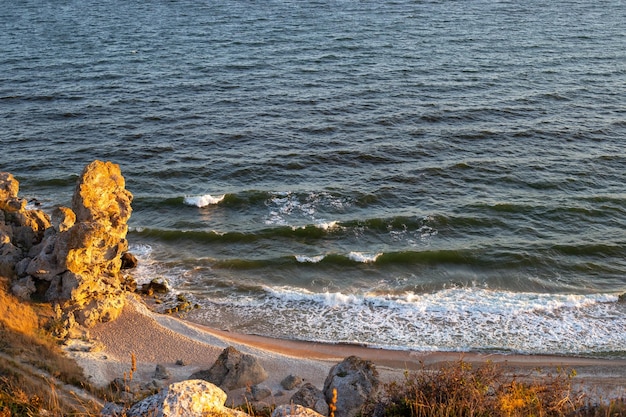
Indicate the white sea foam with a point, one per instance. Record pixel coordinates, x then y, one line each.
140 250
327 225
309 259
456 319
203 200
288 207
363 257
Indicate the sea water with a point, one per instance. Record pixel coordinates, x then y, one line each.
415 175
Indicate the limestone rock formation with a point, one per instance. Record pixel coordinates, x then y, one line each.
189 398
73 259
356 381
20 229
311 397
233 370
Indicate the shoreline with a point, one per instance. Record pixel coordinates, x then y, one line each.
184 347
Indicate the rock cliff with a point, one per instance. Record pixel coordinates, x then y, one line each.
73 257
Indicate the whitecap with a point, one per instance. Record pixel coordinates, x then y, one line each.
309 259
327 225
203 200
363 257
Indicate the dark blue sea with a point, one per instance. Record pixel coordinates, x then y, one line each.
405 174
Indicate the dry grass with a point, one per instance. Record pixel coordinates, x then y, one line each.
31 364
461 390
17 316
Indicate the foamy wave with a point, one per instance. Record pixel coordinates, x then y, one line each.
328 225
203 200
330 299
309 259
363 257
457 319
140 250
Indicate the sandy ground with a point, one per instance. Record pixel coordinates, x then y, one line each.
165 340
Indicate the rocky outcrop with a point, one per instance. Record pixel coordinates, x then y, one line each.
187 398
20 229
74 258
233 370
356 381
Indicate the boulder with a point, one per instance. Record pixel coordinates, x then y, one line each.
259 392
189 398
291 382
157 285
311 397
294 410
161 372
233 370
129 261
23 288
356 381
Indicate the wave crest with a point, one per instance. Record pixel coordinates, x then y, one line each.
203 200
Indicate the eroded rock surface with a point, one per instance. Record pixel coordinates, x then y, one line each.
74 258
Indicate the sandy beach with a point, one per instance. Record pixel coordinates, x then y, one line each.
184 348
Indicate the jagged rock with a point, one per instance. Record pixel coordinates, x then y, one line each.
189 398
20 229
622 298
294 410
129 261
101 197
157 285
23 288
311 397
356 381
290 382
233 370
63 218
75 257
9 187
28 228
10 255
22 266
